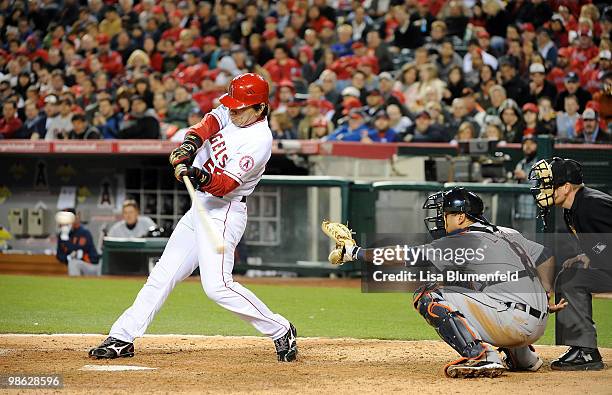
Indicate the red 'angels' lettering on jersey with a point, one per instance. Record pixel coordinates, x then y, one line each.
218 149
210 167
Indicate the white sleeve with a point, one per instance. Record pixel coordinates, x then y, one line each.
221 113
251 158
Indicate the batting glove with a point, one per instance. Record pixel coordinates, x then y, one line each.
200 178
185 153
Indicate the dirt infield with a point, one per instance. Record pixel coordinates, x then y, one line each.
199 364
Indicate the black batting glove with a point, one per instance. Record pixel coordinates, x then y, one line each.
184 154
200 178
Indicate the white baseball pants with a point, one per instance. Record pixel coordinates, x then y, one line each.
187 248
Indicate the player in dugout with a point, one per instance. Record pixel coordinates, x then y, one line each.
133 224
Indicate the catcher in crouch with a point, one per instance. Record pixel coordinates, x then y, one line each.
471 316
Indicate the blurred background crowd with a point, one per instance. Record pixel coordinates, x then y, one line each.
369 71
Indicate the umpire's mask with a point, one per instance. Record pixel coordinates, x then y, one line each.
551 174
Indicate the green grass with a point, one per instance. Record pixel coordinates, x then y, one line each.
30 304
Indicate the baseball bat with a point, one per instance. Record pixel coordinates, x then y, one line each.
213 236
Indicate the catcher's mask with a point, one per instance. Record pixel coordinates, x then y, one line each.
456 200
550 174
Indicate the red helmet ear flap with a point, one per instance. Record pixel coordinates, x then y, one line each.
246 90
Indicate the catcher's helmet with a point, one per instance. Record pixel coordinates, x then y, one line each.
549 174
246 90
456 200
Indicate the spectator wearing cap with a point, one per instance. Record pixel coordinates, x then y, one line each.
106 120
312 110
282 67
211 53
558 31
180 108
530 119
386 86
585 50
538 85
566 120
353 129
320 127
546 47
572 87
294 112
53 123
591 132
34 124
514 85
81 130
374 102
475 50
382 131
207 93
281 126
306 59
111 60
512 121
424 131
140 123
557 74
59 126
10 124
592 76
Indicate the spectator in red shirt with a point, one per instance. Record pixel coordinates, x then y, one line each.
557 75
282 67
585 50
111 60
9 124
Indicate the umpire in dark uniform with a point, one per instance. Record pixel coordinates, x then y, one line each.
588 217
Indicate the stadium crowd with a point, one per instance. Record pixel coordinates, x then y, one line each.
370 71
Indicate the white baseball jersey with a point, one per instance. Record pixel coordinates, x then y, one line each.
241 153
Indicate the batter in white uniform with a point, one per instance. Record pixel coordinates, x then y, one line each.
225 156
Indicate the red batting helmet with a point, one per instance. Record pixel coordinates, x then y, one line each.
246 90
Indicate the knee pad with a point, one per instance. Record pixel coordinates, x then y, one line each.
450 324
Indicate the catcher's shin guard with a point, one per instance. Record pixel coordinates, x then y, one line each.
450 324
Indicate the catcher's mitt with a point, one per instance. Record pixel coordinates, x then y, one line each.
343 237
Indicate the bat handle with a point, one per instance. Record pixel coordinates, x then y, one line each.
213 236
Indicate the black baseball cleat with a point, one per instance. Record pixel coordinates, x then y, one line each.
286 346
112 348
578 358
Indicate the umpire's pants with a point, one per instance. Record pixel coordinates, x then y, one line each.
574 325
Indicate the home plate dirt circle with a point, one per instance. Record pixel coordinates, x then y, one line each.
199 364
